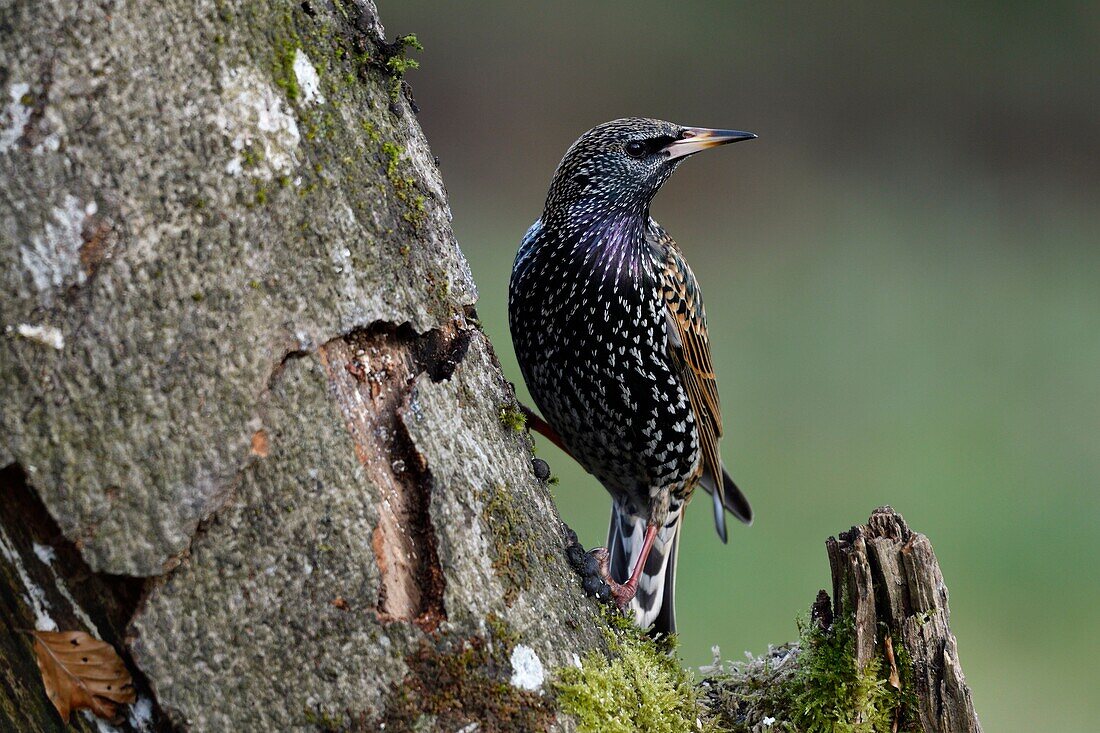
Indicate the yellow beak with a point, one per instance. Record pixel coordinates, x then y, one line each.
694 139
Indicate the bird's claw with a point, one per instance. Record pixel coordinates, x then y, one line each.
593 567
620 593
596 573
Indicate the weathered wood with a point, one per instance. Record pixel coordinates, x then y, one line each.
906 599
889 609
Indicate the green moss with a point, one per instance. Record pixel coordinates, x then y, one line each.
398 62
909 719
251 156
455 683
512 418
391 152
830 694
322 720
514 546
641 688
404 185
372 132
285 78
816 688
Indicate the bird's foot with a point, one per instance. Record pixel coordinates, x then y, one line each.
594 567
621 593
586 566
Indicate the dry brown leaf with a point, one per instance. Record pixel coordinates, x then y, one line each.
80 671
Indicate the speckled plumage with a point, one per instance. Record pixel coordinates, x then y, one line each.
610 332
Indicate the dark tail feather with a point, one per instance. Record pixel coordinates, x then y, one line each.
729 499
665 623
734 500
620 560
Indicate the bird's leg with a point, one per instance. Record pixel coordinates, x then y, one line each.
623 593
541 426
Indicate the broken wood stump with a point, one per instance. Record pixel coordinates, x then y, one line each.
878 655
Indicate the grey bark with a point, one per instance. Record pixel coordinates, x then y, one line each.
243 398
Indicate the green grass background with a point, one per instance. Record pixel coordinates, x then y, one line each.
902 278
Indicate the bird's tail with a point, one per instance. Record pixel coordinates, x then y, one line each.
653 604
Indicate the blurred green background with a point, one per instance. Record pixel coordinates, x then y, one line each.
902 277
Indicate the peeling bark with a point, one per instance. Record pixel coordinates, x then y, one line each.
370 374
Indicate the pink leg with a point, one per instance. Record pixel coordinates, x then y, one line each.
623 593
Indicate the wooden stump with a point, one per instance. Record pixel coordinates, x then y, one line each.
887 578
879 655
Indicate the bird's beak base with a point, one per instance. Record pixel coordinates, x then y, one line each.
694 139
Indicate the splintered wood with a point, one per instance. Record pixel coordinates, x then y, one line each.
887 578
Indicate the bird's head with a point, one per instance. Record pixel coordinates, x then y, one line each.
621 164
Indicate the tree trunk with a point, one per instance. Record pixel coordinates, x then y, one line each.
243 397
253 436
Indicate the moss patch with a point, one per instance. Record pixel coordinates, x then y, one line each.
404 185
814 687
285 78
455 684
514 542
641 688
512 418
396 61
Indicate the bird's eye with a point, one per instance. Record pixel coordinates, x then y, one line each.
635 149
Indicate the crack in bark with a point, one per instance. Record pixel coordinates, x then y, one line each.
61 588
371 372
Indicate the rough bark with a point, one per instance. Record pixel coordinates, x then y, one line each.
250 433
243 401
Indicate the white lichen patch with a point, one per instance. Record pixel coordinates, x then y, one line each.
527 670
52 257
101 725
309 83
261 131
45 553
35 596
14 117
45 335
141 714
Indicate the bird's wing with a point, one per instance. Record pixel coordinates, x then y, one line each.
689 348
689 352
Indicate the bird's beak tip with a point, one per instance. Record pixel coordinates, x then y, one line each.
694 139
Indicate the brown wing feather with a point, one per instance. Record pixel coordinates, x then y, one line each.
689 349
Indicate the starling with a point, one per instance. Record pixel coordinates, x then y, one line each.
608 326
